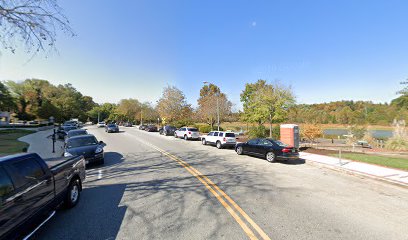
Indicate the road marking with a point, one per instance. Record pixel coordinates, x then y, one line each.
100 174
228 203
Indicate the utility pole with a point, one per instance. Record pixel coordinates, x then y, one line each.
218 111
98 116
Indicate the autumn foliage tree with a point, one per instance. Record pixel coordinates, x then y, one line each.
207 104
173 106
311 131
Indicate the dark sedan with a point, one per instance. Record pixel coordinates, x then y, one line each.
151 128
87 146
111 128
167 130
271 150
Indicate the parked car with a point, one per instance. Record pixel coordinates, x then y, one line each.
100 124
151 128
63 131
187 133
270 149
87 146
76 132
32 122
167 130
31 190
111 128
142 127
363 144
70 123
219 139
128 124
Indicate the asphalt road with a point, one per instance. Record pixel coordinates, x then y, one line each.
157 187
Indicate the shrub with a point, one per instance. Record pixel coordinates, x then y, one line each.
397 144
207 128
258 132
181 123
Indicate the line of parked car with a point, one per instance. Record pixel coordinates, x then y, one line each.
270 149
79 142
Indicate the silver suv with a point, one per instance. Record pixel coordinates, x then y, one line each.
187 133
219 139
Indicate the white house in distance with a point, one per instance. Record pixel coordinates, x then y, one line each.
4 118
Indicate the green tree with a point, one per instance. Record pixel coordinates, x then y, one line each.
6 99
265 102
129 109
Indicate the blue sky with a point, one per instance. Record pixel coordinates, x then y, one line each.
325 50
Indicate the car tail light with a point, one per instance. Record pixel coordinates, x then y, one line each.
189 132
224 139
286 150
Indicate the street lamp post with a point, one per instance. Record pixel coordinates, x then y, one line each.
218 107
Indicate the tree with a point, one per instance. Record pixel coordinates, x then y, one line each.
6 99
129 108
207 104
311 131
104 111
148 112
265 102
33 22
172 105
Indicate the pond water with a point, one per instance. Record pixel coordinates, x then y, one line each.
375 133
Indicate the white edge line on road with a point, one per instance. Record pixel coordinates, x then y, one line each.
99 174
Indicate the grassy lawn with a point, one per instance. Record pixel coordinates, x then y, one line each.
9 143
392 162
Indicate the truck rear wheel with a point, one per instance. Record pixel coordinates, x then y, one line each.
73 194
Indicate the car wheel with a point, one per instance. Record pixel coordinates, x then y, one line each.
73 194
219 146
203 141
270 157
185 137
239 150
102 161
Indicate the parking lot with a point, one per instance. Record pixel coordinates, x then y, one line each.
157 187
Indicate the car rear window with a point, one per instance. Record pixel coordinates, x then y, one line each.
229 135
192 129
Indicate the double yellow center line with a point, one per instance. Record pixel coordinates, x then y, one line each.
230 205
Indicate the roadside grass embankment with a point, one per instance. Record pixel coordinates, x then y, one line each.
9 143
392 162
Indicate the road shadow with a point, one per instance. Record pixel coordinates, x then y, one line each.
111 159
97 216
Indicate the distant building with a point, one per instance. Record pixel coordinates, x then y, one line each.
4 118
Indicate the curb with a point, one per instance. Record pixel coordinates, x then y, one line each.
356 173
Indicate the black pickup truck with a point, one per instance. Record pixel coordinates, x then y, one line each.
31 189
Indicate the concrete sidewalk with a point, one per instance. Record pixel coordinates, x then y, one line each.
41 143
374 171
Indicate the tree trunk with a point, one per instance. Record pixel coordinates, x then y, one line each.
270 125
